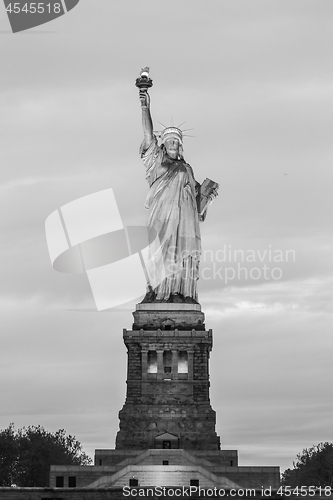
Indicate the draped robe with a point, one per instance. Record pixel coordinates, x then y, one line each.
173 224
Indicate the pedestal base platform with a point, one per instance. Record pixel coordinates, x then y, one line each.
164 316
169 468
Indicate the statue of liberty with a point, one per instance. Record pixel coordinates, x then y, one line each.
173 200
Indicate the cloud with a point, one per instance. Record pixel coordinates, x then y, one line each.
269 364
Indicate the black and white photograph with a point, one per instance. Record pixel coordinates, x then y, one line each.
166 249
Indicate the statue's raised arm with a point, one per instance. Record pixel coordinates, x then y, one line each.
144 83
147 122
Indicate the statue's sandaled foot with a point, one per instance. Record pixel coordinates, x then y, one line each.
149 297
190 300
176 298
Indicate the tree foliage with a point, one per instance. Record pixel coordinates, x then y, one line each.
26 454
313 467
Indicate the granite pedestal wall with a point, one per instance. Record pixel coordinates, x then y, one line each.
167 433
167 401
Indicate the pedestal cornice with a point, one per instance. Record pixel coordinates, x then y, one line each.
165 316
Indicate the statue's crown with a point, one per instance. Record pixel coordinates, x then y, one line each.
172 132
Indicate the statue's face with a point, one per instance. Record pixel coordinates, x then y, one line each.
172 147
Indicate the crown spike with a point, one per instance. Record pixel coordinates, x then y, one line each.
161 124
182 124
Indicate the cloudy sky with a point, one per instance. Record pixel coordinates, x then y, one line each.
254 79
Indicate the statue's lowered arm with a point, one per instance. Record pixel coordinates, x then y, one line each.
206 194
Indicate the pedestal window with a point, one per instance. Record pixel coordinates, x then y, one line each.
152 362
167 364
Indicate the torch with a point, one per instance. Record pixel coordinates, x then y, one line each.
144 82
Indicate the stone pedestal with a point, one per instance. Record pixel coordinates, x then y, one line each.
167 402
167 432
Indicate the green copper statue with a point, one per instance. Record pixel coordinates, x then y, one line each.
173 201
